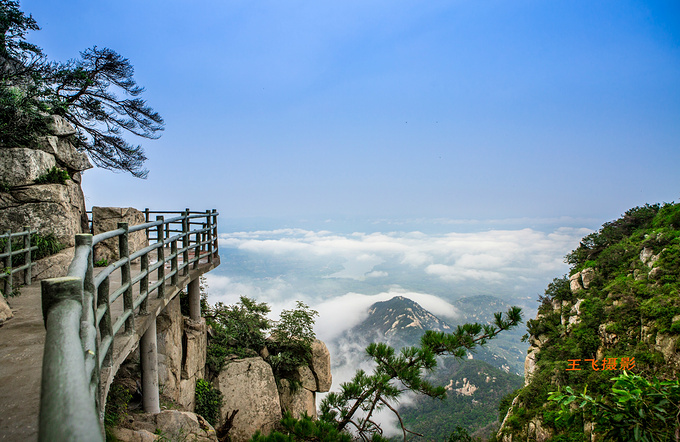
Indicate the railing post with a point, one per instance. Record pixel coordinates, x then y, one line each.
197 249
214 235
194 299
148 352
8 263
185 242
173 262
144 285
124 253
161 258
105 326
146 220
27 255
208 218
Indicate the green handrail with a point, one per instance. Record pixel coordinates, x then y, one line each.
7 270
80 330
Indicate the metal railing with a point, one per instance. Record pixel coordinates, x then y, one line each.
80 329
8 253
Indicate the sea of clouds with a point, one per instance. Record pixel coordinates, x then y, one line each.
341 274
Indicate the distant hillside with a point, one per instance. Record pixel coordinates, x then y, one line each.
474 391
506 351
619 304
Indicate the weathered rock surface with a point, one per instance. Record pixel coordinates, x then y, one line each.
167 425
195 341
53 266
587 276
248 385
48 208
66 155
169 343
20 165
5 310
297 401
321 366
183 424
105 219
60 127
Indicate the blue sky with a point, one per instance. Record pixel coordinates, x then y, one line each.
468 109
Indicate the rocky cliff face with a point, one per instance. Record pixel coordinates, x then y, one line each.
49 208
618 309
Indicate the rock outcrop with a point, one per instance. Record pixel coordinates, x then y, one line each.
48 208
105 219
5 310
166 425
248 388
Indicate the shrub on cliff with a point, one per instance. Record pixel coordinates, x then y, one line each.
241 330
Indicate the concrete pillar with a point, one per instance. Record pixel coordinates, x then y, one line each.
194 300
148 354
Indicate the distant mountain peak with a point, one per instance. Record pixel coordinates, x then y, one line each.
401 314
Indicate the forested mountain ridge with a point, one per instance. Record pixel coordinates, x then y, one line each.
617 310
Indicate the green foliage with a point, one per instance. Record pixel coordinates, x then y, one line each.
47 245
291 343
635 409
239 330
304 429
116 405
102 263
53 176
505 403
460 434
437 419
208 401
592 245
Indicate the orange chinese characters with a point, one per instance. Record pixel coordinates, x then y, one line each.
609 364
627 363
573 363
593 363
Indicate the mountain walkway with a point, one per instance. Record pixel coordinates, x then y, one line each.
69 335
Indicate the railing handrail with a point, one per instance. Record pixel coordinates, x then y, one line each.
82 303
6 255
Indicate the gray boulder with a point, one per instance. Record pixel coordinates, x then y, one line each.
65 154
48 208
21 166
5 310
321 366
105 219
297 401
248 387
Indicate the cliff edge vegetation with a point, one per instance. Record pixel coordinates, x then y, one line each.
616 315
